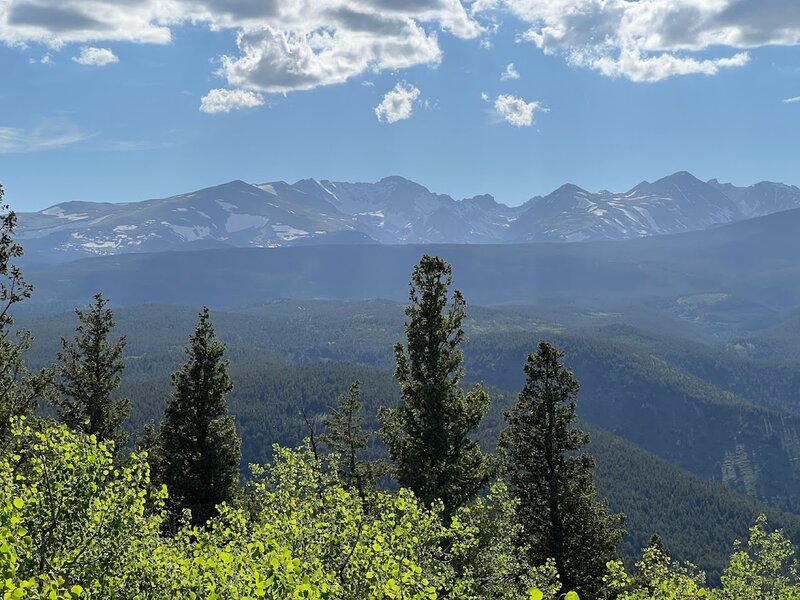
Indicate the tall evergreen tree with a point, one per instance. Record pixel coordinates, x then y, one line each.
200 449
88 375
559 510
428 434
19 389
346 437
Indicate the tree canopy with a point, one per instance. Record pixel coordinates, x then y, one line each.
428 434
199 443
88 374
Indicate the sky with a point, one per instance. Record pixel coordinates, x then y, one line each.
125 100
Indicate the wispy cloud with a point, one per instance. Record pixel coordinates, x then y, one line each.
794 100
51 134
134 145
46 59
509 73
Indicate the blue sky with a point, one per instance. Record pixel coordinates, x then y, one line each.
131 99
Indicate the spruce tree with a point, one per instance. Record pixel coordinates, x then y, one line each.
428 434
346 438
200 450
88 375
559 510
20 390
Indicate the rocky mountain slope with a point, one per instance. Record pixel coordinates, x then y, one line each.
391 211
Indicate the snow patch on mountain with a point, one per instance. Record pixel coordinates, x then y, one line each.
239 222
190 234
288 233
59 213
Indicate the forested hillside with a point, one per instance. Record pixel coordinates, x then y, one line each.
708 408
290 357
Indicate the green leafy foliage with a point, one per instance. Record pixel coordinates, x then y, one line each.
765 567
658 577
72 523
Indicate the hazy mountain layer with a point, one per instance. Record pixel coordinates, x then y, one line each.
742 273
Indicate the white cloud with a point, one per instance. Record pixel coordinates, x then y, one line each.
509 73
46 59
287 45
95 57
515 111
221 100
274 60
650 40
792 100
637 67
397 104
50 134
283 45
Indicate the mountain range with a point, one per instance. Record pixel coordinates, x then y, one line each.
392 211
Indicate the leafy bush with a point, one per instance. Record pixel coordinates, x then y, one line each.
73 524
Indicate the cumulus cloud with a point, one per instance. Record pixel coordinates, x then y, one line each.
794 100
650 40
273 60
510 72
96 57
397 104
221 100
515 111
283 45
59 22
287 45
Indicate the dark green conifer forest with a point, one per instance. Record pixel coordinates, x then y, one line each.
250 476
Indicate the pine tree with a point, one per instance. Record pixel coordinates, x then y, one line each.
346 438
428 434
200 449
88 375
559 510
19 389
